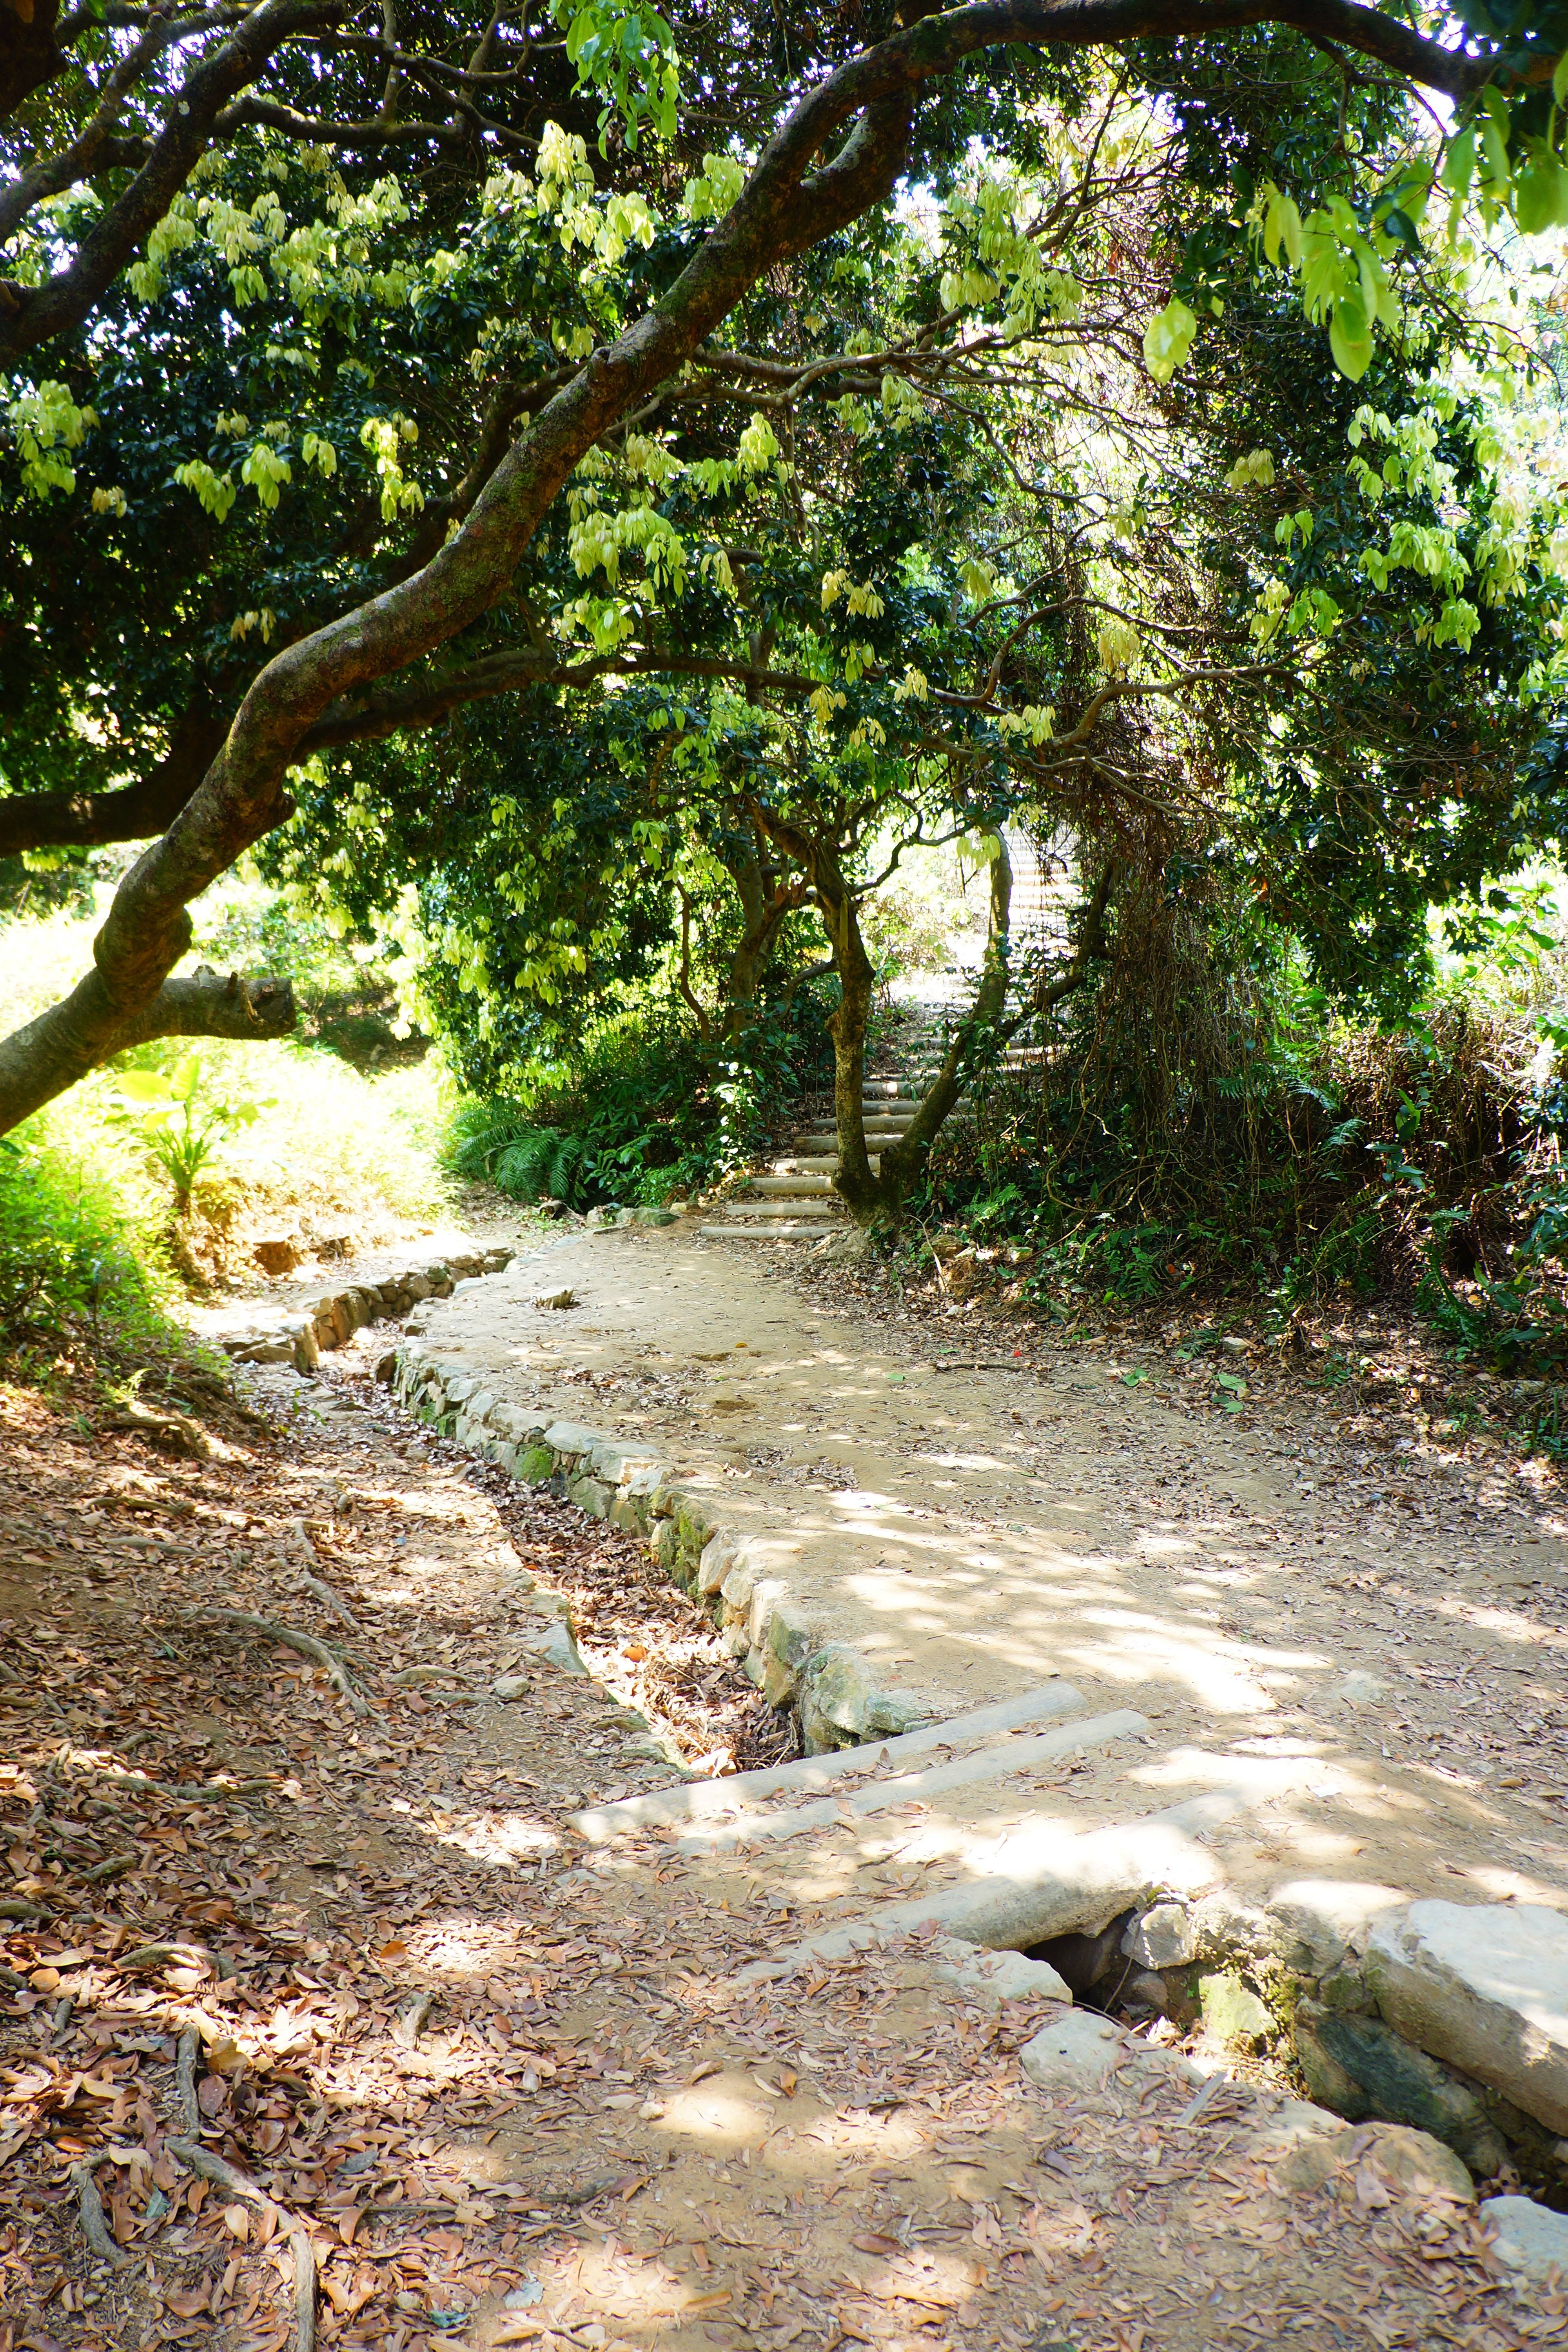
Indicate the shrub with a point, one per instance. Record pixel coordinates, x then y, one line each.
71 1279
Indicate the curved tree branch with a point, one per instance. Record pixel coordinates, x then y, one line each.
785 207
202 1004
134 812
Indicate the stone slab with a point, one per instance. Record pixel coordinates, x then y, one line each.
1038 1881
905 1788
1483 1986
710 1799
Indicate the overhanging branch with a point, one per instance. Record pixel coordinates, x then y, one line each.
70 1039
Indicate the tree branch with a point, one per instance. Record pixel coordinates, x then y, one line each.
63 1045
509 673
135 813
35 313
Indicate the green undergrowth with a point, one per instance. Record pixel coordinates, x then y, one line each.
643 1112
81 1286
105 1228
1201 1134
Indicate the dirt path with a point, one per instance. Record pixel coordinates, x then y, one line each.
1354 1609
506 2083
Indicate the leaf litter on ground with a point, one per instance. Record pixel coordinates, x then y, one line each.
306 2014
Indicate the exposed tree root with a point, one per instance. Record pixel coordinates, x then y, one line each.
327 1599
224 2175
94 2221
288 1638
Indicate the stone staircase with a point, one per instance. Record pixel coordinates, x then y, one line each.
795 1200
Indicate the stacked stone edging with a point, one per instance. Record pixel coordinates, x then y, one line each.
828 1684
332 1322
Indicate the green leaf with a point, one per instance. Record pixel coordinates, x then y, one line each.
144 1086
1282 226
1560 80
1167 338
1540 191
1349 339
1459 162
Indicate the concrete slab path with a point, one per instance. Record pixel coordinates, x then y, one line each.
1388 1707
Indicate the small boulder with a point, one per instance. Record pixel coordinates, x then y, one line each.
1161 1938
1527 2237
1233 2014
555 1647
992 1977
511 1687
1412 2163
1075 2052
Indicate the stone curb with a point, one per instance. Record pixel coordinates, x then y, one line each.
332 1321
830 1685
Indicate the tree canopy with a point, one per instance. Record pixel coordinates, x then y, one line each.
595 480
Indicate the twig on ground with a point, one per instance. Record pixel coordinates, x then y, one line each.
200 2160
94 2221
288 1638
186 2079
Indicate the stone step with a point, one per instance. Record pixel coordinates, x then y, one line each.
819 1205
807 1776
808 1145
800 1187
989 1764
1043 1880
780 1233
821 1164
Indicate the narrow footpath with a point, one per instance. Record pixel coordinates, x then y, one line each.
360 1988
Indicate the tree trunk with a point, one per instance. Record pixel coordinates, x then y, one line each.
848 1025
786 207
63 1045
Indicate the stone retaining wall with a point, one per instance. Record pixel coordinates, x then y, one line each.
332 1322
828 1685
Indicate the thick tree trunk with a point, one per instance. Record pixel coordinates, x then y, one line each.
63 1045
785 208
